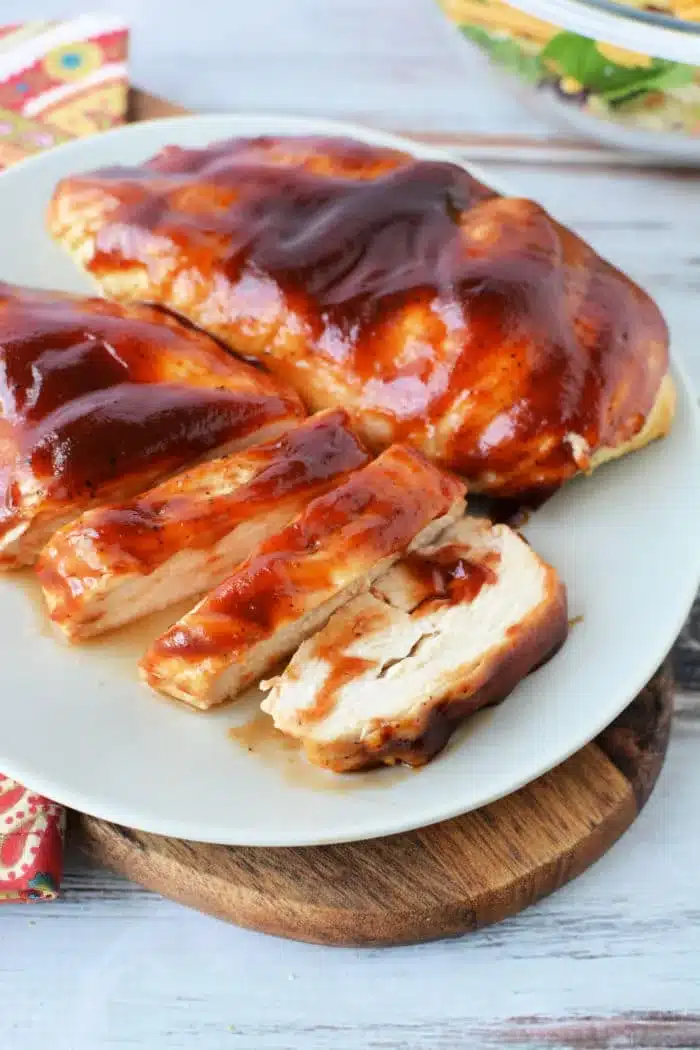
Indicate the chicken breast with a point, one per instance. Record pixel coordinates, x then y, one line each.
450 628
472 325
98 401
296 579
120 562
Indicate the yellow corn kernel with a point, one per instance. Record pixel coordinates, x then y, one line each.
622 57
570 85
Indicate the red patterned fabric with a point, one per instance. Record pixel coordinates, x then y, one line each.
58 80
31 844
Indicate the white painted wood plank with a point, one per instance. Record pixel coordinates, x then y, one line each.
132 970
110 965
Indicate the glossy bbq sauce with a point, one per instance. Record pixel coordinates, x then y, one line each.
420 283
303 464
449 574
345 240
85 390
349 246
343 666
377 512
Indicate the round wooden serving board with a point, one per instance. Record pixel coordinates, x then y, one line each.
439 881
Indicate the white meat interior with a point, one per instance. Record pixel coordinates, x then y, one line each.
417 650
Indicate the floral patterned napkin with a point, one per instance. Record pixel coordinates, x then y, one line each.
58 81
31 844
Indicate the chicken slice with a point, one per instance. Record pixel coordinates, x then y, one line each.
296 579
449 629
180 539
99 401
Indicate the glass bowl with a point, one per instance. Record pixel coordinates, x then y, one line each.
625 98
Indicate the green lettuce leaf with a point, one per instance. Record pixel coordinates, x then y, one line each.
576 56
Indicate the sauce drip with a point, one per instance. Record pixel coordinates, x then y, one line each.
343 666
340 536
266 744
449 574
446 575
300 465
259 733
406 286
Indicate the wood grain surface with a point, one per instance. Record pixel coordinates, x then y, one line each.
439 881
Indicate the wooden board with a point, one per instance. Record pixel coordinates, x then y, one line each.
436 882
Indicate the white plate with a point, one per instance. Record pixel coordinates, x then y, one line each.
78 726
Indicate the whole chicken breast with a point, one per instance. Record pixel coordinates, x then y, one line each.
99 400
450 628
293 581
119 562
438 312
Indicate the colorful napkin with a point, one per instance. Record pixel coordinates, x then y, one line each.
58 80
31 844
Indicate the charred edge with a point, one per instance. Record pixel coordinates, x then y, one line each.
534 647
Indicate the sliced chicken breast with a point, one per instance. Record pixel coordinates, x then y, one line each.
297 578
450 628
180 539
99 401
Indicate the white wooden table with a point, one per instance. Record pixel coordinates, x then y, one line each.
612 960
